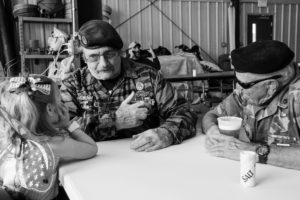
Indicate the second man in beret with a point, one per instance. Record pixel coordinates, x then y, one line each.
267 99
117 98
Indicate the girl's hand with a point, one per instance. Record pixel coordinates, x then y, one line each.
63 116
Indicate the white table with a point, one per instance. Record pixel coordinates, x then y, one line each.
180 172
182 64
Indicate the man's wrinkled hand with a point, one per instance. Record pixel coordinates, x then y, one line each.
229 147
150 50
151 140
131 115
213 136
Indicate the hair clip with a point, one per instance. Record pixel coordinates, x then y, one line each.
32 83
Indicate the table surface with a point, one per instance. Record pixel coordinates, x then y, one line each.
179 172
180 64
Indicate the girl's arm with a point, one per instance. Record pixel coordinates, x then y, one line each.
78 145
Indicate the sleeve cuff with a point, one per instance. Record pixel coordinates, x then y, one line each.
173 130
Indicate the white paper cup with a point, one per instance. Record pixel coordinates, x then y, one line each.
247 168
230 125
194 72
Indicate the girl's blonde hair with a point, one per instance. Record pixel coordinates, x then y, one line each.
29 111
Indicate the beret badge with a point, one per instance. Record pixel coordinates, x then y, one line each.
97 33
83 40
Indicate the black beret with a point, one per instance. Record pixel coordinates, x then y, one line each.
262 57
97 33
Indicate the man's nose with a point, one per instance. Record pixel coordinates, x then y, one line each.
103 63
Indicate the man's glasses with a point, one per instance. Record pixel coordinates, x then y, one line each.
250 84
96 57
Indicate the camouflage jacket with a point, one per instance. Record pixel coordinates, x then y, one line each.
86 97
277 123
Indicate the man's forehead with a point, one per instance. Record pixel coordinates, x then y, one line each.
100 50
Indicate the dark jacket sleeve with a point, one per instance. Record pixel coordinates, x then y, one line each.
179 119
90 122
228 107
69 94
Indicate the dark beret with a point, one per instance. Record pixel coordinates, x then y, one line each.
262 57
97 33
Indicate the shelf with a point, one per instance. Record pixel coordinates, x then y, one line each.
43 19
40 56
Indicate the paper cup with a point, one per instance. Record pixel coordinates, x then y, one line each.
194 72
230 125
247 168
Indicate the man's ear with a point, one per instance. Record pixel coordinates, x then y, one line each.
272 87
83 57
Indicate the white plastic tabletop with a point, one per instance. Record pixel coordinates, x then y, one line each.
179 172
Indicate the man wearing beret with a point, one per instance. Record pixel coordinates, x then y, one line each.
116 98
267 99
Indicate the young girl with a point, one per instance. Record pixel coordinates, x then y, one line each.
35 134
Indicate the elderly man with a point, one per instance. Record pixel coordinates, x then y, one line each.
267 99
117 98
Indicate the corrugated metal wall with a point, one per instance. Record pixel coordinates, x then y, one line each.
169 23
172 22
204 22
286 22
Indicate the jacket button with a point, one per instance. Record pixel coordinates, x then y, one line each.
284 101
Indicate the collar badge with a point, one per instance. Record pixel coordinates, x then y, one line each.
139 86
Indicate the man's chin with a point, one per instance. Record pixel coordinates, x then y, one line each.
104 75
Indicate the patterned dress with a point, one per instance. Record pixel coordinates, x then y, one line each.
28 170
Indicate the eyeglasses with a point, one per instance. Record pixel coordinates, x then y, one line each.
250 84
107 55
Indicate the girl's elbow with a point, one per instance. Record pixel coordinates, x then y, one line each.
94 150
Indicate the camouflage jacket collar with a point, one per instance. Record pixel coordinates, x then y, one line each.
279 101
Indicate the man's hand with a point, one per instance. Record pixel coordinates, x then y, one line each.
63 120
151 140
213 136
131 115
150 50
228 147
